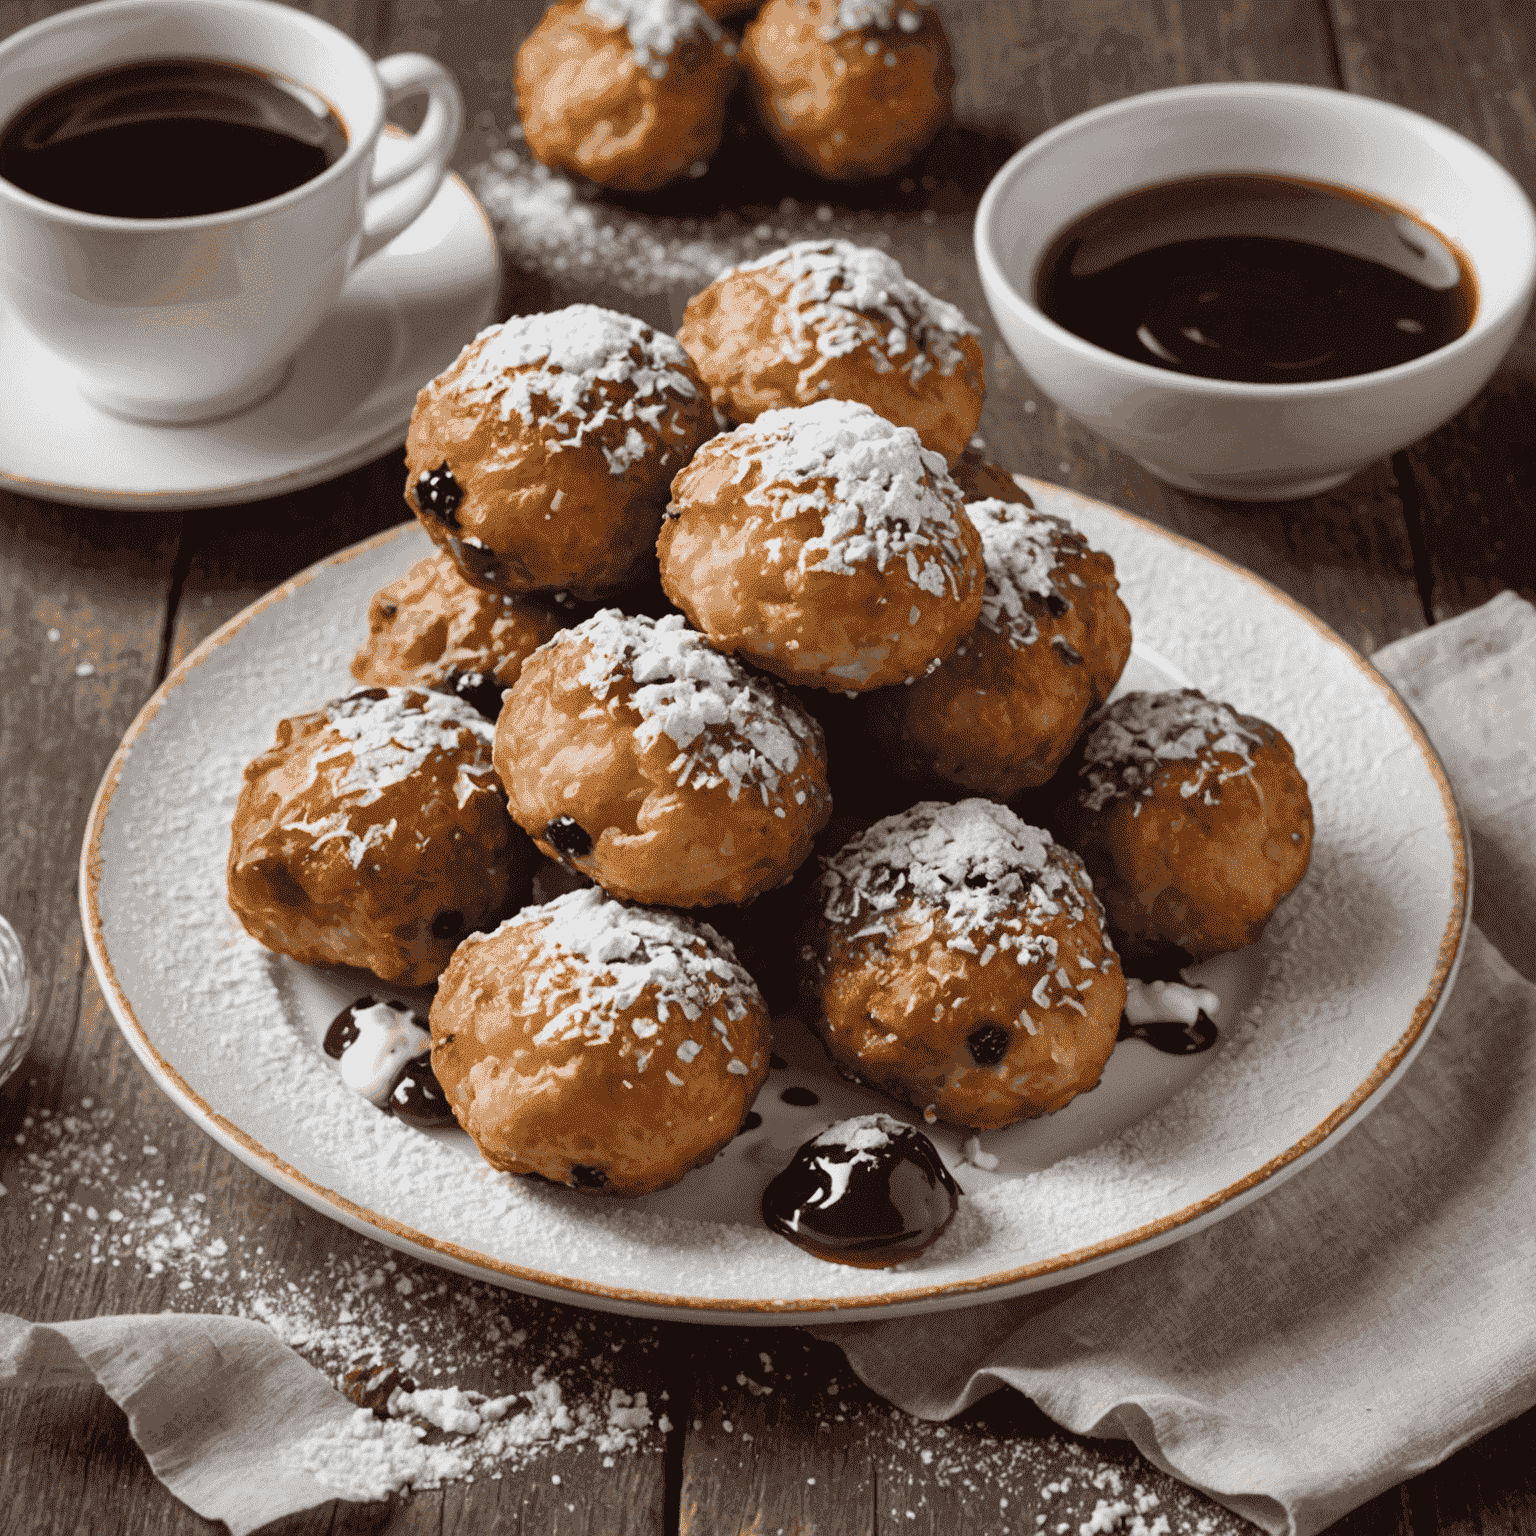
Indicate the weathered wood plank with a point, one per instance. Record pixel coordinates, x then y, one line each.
1469 64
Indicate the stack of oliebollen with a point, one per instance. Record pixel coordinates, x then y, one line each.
738 634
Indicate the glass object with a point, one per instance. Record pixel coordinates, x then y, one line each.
15 994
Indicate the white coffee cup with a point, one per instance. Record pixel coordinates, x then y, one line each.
1256 442
187 319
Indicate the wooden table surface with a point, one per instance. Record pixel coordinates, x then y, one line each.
1429 533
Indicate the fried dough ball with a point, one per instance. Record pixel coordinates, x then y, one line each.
540 458
630 93
374 833
824 544
1192 819
640 756
1053 638
980 479
849 88
432 629
956 959
602 1046
826 319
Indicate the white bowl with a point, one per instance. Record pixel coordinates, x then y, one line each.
1256 442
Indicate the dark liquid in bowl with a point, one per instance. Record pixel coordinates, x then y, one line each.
1258 279
169 139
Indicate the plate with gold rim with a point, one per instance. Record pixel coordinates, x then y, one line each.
1318 1019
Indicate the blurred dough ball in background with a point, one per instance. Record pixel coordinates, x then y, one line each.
849 89
630 93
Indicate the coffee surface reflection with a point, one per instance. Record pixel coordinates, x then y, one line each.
1256 279
170 138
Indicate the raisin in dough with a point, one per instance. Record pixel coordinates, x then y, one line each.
849 88
374 833
826 545
540 459
1193 820
956 958
663 770
1053 638
826 319
603 1046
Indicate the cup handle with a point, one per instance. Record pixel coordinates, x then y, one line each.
407 170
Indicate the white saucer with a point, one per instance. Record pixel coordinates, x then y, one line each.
402 318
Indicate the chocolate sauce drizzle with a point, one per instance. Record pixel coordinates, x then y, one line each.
1173 1036
869 1208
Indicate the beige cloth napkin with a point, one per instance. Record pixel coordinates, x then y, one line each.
214 1403
1377 1311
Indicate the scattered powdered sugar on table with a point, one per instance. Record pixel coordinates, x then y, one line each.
564 230
655 27
881 497
838 295
503 1391
730 726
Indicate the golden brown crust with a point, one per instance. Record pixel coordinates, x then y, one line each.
1003 711
562 433
790 568
716 812
593 101
431 624
833 105
1193 844
586 1070
982 479
830 320
980 1022
374 833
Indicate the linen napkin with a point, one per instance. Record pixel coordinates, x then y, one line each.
1376 1312
213 1402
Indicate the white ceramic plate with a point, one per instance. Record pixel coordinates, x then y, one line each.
401 319
1317 1021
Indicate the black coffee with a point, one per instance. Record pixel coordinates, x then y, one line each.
1260 279
170 139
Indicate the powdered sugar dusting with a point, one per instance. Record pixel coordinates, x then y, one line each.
655 27
595 958
882 498
855 15
391 732
1139 734
838 292
1020 547
550 369
730 726
975 868
863 1133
